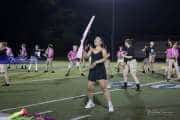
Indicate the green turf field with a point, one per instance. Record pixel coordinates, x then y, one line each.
64 97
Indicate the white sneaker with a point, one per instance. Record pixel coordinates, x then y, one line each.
89 105
111 109
109 86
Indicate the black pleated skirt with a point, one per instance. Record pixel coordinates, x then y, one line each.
97 73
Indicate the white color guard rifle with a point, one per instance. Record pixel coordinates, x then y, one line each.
81 47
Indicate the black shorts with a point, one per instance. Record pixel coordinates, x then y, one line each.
97 73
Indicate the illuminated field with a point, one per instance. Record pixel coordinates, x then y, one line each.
64 97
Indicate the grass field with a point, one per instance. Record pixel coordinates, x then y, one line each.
64 97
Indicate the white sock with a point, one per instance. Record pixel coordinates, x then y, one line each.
29 67
36 68
110 104
90 100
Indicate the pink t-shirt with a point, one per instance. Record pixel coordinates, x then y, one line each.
9 51
72 55
172 53
120 54
23 52
50 52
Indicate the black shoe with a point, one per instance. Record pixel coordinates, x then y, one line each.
168 79
138 87
36 71
111 76
28 71
45 71
82 74
4 85
67 74
152 71
125 85
53 71
9 67
143 71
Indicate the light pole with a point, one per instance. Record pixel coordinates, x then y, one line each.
113 29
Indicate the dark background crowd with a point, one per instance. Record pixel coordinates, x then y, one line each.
62 22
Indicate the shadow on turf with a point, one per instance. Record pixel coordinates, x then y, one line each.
17 91
135 109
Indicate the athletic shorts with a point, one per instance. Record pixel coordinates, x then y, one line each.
152 58
49 59
3 68
120 61
73 64
146 60
131 66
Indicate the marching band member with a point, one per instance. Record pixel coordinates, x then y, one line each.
97 73
73 60
3 63
130 65
152 56
23 55
49 53
120 58
35 58
172 57
10 55
146 63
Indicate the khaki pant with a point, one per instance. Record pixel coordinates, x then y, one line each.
131 67
120 63
3 71
73 64
172 62
3 68
152 58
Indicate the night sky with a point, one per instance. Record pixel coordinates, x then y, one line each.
62 22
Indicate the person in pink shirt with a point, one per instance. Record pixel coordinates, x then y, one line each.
172 57
10 55
120 58
3 66
23 50
49 53
73 60
9 52
23 55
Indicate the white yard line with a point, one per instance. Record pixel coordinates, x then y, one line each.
42 80
67 98
42 103
81 117
45 112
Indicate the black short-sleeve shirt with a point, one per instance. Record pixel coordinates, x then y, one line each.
130 52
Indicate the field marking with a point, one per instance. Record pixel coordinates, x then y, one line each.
42 80
67 98
45 112
21 71
81 117
42 103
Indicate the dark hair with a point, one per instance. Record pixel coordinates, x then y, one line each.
129 41
147 44
50 45
102 41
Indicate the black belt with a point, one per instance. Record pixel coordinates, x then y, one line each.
128 59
